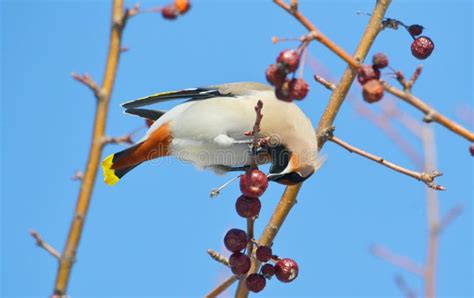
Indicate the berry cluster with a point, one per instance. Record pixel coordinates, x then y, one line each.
422 46
286 270
172 11
369 77
287 89
253 184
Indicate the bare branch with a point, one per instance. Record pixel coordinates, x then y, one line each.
222 287
450 216
89 82
399 261
427 178
317 35
403 286
430 113
44 245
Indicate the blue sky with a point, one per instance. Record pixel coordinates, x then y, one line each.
148 235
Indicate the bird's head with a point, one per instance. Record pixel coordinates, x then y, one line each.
290 168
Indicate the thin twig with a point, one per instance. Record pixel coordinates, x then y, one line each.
413 78
327 84
391 132
119 19
89 82
449 217
218 257
427 178
399 261
222 287
125 139
44 245
403 286
430 113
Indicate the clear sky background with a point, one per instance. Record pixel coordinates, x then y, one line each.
148 235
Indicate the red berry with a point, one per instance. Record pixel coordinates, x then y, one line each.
248 207
264 253
415 30
169 12
239 263
471 149
182 6
290 59
286 270
283 93
275 75
268 270
235 240
253 183
372 91
149 122
298 88
422 47
255 282
379 61
366 73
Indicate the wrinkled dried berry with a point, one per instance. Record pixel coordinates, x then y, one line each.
169 12
248 207
283 92
290 59
253 183
298 88
372 91
264 253
380 60
275 75
255 282
268 270
471 149
422 47
366 73
415 30
235 240
286 270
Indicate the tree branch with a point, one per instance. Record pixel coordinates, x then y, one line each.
222 287
44 245
427 178
119 19
399 261
430 113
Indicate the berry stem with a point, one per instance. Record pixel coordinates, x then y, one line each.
216 191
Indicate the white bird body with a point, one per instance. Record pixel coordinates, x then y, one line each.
209 133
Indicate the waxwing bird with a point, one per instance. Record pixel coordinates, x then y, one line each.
208 130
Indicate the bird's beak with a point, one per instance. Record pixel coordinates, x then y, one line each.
288 178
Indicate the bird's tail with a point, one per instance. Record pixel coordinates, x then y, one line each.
116 165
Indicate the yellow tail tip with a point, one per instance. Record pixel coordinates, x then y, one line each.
109 174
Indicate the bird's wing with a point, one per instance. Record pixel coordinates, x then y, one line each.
145 113
230 89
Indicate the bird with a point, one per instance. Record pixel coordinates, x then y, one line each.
208 129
